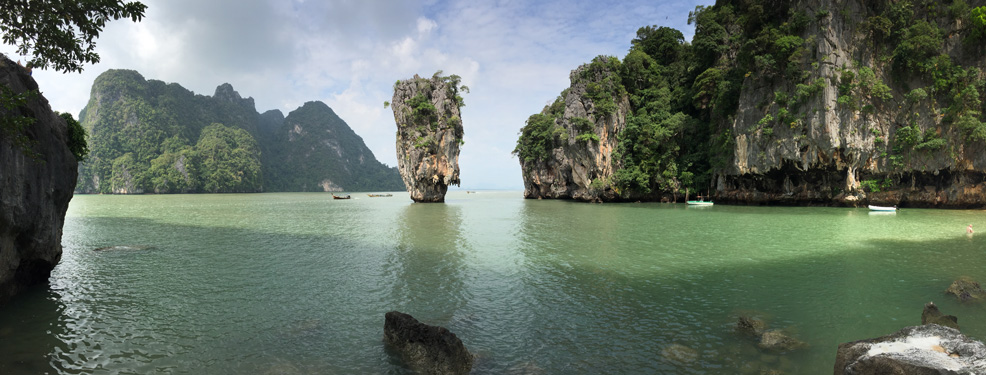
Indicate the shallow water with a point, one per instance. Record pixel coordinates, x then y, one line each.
299 283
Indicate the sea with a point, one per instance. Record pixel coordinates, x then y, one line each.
299 283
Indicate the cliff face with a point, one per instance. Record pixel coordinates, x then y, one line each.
34 190
875 132
147 136
582 136
429 133
803 102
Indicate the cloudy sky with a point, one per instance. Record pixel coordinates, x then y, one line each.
515 56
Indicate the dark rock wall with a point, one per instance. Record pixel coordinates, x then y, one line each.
34 192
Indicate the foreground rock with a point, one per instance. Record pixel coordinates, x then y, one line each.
34 190
424 348
927 349
429 133
966 290
776 340
931 315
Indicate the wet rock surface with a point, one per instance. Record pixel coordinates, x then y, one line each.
424 348
36 186
926 349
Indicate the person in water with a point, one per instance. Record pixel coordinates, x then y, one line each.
968 229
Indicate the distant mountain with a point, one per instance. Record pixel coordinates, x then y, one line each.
146 136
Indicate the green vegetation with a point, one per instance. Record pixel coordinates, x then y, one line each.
684 96
157 137
76 137
59 33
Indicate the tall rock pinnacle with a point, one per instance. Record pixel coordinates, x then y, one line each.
429 133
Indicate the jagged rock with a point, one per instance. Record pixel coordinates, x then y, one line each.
750 326
429 133
926 349
966 290
931 315
424 348
575 163
34 191
778 341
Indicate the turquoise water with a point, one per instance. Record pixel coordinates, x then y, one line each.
299 283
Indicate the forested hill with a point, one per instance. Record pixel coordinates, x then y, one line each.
779 102
146 136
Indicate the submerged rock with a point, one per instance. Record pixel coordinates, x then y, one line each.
38 174
429 133
424 348
778 341
966 290
926 349
750 326
679 354
931 315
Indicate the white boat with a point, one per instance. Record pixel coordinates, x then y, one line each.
699 203
882 208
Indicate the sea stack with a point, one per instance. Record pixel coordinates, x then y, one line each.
429 133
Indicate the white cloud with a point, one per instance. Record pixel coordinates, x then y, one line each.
514 55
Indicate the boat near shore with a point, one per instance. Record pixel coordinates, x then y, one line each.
882 208
341 196
700 203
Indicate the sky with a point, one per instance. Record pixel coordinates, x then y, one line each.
514 55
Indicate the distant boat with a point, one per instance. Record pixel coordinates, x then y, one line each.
379 195
882 208
700 203
340 196
470 192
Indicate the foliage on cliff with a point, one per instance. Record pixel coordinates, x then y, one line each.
148 136
684 124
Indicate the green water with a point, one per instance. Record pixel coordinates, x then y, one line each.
299 283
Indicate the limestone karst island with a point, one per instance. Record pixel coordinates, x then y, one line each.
644 187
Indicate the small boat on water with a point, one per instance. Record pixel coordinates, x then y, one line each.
882 208
700 203
379 195
340 196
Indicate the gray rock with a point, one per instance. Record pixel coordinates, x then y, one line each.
574 164
926 349
778 341
931 315
428 141
34 192
750 326
424 348
966 290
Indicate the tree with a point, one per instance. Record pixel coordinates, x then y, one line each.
661 43
58 33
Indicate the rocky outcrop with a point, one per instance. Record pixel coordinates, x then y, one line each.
932 315
847 144
579 156
37 178
966 290
927 349
424 348
429 133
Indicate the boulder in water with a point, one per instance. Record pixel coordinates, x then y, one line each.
966 290
926 349
750 326
931 315
424 348
778 341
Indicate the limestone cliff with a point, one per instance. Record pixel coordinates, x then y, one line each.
785 102
429 133
582 139
37 178
876 132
